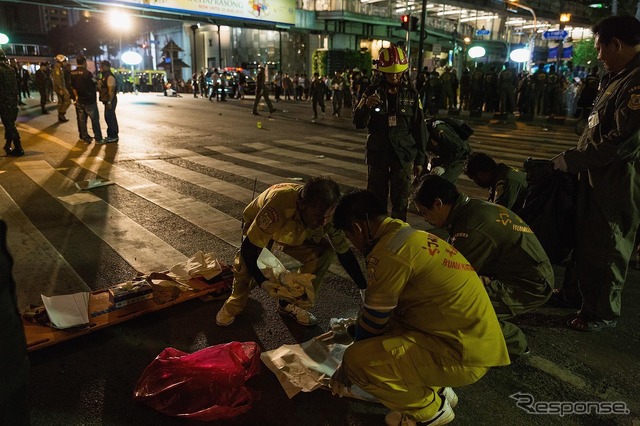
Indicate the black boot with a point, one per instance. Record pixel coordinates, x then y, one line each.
17 150
44 110
7 147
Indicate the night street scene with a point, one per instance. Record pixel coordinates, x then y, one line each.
296 212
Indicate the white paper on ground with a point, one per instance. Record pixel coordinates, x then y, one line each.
79 198
309 366
92 183
68 310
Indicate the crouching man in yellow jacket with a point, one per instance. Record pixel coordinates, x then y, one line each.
427 323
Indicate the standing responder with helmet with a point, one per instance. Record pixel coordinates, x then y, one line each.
395 149
9 107
60 87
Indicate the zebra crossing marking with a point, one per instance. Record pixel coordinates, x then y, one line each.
290 166
211 183
202 215
35 259
140 248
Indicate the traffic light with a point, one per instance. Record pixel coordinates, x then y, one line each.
409 23
404 22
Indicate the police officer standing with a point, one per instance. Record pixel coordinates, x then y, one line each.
477 88
507 82
42 78
551 92
108 89
587 94
60 87
84 85
539 89
395 149
491 90
9 107
465 89
607 163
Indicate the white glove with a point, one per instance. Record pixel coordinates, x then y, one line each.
340 383
437 171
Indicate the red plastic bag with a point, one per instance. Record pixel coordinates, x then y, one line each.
206 385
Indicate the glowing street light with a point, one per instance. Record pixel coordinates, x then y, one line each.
3 39
477 52
120 21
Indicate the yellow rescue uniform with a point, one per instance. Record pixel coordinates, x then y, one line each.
273 217
443 330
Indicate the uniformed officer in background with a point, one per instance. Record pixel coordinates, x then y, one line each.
395 149
607 162
426 325
553 88
42 78
9 107
298 219
477 88
507 83
587 94
60 87
500 246
539 90
505 183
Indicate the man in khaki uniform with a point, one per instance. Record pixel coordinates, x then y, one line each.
60 87
426 324
505 183
503 250
297 218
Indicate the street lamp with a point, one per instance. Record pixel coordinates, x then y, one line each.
194 28
532 39
120 21
132 58
3 39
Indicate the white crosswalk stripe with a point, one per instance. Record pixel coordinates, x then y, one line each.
139 247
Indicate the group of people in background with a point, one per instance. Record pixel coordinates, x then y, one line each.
502 89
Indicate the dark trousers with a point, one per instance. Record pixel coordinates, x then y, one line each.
43 96
264 93
84 111
110 118
391 179
315 101
8 115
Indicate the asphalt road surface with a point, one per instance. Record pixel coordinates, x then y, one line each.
183 171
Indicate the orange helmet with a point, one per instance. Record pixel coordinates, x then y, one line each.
392 60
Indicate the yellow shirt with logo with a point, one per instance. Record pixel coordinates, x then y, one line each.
273 216
434 290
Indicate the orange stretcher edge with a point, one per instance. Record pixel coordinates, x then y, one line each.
40 336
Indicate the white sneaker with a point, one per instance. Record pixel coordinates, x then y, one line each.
442 417
450 396
224 318
301 316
